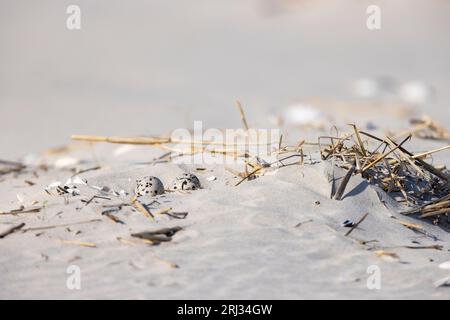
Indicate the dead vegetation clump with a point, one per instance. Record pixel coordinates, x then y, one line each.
406 177
426 128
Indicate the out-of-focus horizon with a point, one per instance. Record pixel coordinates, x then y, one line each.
146 67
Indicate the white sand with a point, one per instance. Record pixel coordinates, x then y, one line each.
121 75
237 242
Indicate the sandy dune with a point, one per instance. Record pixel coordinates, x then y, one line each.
154 67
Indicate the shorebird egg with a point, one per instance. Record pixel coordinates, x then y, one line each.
149 186
186 181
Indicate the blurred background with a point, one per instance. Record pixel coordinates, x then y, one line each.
146 67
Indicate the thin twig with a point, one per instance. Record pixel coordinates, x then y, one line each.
11 230
340 191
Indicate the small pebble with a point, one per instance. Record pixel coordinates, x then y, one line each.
347 224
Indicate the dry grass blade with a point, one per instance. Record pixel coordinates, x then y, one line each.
425 154
21 210
426 128
10 166
125 241
11 230
280 141
383 156
235 172
167 263
407 157
420 162
121 140
158 141
93 198
158 236
382 253
248 176
133 242
163 211
360 142
241 112
417 228
431 205
435 213
432 247
168 212
141 208
340 191
112 217
79 243
60 225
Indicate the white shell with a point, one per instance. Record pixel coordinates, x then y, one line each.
445 265
149 186
366 88
301 115
186 181
415 92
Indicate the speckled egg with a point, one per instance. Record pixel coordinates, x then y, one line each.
148 186
186 181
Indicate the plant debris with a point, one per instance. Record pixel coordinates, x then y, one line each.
406 177
60 225
170 213
10 166
79 243
21 210
87 202
426 128
141 208
109 214
157 236
382 253
11 230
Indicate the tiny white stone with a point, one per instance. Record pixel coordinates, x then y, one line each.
76 180
366 88
300 115
66 162
212 178
53 185
20 197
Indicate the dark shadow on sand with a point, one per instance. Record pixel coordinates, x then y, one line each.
360 188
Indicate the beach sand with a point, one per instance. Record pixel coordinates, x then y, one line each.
275 237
